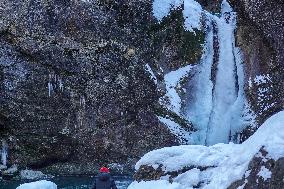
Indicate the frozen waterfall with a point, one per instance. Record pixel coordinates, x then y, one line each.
216 106
216 99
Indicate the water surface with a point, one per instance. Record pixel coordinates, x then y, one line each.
82 182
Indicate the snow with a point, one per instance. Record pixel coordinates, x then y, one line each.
31 175
2 167
161 184
172 80
261 79
190 178
192 14
153 77
162 8
225 163
182 135
43 184
264 173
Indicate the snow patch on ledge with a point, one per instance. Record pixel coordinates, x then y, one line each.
150 71
225 163
182 135
172 80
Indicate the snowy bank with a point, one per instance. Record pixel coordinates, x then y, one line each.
43 184
215 166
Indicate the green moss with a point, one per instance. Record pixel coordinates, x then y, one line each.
171 31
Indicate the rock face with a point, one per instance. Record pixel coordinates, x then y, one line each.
74 93
260 35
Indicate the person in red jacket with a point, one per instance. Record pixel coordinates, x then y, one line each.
104 180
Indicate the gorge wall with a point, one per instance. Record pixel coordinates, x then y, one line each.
81 82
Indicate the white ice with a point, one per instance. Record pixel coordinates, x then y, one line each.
225 93
199 109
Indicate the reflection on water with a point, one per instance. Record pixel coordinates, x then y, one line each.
82 182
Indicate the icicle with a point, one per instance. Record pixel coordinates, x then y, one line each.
82 101
49 85
4 153
61 86
50 88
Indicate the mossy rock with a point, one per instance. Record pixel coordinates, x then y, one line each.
171 32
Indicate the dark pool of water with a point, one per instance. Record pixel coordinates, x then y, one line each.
81 182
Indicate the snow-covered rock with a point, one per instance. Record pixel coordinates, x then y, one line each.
12 170
161 184
32 175
215 166
43 184
2 167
